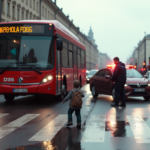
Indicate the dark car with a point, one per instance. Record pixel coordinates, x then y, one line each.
90 74
136 84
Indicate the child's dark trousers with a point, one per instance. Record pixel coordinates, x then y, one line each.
77 112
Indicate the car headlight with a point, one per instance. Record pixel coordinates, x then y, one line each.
125 85
47 79
148 84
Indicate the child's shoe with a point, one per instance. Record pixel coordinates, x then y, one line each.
69 124
79 125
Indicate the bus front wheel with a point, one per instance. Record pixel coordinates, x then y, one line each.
9 97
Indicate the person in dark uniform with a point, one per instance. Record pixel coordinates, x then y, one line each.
119 77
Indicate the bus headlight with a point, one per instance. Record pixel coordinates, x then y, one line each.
125 85
47 78
148 84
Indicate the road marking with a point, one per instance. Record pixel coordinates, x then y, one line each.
111 118
3 115
51 129
140 129
12 126
95 129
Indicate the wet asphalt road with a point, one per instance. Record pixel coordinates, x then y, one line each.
38 123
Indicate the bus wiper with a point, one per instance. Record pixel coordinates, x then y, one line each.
10 64
33 67
23 63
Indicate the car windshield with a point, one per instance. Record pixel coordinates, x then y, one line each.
31 50
132 73
92 72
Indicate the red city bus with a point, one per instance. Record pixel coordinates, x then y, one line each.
39 57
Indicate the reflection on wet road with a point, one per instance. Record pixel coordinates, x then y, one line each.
32 124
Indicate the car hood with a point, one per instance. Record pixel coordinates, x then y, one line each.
137 80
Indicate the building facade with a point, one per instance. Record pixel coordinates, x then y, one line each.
15 10
103 60
141 54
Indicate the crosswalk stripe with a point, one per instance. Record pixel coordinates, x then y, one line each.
95 129
51 129
12 126
139 128
111 118
3 115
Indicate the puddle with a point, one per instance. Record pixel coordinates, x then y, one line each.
119 128
66 138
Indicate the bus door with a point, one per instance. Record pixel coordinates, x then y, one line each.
59 73
75 68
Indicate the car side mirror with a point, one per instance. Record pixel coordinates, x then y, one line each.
146 76
59 44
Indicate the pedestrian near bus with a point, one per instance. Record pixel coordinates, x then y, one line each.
75 97
119 77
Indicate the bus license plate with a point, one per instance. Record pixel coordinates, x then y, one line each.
20 90
139 90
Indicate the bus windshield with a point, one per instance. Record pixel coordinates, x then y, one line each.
36 51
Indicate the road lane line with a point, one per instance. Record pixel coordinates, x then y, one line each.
51 129
95 129
12 126
140 129
3 115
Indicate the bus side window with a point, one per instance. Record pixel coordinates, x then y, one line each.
64 55
82 59
70 55
79 59
75 55
1 51
70 59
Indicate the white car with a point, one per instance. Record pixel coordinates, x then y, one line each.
90 74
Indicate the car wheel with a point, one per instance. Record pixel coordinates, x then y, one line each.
9 97
94 94
146 98
113 93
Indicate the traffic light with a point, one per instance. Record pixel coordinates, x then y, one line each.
144 65
135 66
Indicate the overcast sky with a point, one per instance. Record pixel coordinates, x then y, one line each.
118 25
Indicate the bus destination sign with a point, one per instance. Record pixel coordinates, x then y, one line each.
22 29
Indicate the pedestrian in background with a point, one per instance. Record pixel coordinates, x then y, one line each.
119 76
75 97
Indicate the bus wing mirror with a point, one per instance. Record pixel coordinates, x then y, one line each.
59 44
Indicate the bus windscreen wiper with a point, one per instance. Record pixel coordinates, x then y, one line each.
33 67
22 63
10 64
